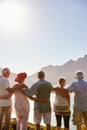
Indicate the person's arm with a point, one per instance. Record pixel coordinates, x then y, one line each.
63 92
29 92
11 90
71 88
7 86
54 90
23 89
20 87
38 99
6 96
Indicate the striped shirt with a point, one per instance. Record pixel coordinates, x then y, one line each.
62 103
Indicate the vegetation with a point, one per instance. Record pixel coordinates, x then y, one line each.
31 126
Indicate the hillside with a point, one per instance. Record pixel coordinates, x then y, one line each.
54 72
67 70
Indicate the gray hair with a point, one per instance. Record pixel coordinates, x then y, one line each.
79 75
5 70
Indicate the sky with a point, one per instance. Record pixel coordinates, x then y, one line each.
38 33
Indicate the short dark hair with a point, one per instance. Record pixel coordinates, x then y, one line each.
61 80
41 74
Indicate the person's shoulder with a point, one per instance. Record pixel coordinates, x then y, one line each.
47 82
35 84
1 77
4 79
56 88
23 85
84 81
73 84
65 90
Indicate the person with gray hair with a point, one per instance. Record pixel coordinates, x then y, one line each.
5 104
80 100
79 75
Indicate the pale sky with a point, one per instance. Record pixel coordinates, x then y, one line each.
38 33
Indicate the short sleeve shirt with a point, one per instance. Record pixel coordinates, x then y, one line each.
80 90
41 89
4 84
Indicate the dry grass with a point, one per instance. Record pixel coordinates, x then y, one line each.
31 126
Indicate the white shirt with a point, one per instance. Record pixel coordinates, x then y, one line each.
4 84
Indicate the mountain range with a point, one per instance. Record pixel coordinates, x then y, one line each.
66 70
52 73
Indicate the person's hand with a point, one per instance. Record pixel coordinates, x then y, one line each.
17 87
44 100
20 86
40 100
25 87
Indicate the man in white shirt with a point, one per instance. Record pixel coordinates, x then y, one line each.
5 104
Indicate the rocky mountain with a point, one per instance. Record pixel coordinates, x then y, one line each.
66 70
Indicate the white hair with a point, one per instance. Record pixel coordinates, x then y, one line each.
5 70
79 75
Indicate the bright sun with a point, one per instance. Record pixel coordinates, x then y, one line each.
13 16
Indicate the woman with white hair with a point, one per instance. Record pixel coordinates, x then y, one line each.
80 100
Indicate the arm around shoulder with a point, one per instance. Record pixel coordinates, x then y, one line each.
71 88
6 96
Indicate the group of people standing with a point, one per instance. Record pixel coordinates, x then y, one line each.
40 93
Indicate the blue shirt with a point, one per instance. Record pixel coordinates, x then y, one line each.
80 98
41 89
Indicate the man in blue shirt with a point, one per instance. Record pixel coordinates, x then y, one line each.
80 100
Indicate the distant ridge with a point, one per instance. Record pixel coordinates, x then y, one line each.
52 72
66 70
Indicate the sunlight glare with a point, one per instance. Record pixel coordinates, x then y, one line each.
13 16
